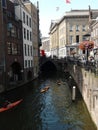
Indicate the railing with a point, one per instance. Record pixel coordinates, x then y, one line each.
93 66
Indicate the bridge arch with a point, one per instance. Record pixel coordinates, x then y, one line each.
15 72
48 66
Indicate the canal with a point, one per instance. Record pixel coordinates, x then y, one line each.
52 110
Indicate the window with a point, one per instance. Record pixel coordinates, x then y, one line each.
30 36
24 33
71 39
27 19
31 51
77 38
71 28
28 51
28 63
25 50
9 48
27 34
14 49
30 22
83 28
83 38
23 17
31 63
11 30
9 26
77 27
25 63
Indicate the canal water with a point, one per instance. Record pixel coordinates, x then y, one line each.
52 110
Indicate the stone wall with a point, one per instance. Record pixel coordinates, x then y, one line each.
87 82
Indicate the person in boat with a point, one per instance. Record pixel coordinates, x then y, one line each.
45 89
6 104
58 82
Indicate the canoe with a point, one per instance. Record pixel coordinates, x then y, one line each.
58 82
10 105
44 89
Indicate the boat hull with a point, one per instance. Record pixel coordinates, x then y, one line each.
11 105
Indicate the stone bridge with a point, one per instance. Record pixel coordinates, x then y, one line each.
47 64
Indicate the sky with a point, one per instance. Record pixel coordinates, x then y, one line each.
54 9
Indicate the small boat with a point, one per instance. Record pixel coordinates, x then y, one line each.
44 89
59 82
10 105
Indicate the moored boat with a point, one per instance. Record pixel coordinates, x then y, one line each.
10 105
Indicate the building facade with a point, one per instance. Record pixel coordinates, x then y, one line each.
34 11
54 39
19 43
62 38
71 28
11 41
93 29
24 15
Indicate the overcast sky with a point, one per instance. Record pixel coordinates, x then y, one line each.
54 9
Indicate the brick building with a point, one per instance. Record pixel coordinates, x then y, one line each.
11 47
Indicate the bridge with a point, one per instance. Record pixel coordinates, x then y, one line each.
52 64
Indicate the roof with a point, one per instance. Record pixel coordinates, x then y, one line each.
94 14
77 13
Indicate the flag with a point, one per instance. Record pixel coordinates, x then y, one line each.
42 53
67 1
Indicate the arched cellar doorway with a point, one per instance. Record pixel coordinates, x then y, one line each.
29 75
16 72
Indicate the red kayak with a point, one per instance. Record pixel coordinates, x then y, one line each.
10 105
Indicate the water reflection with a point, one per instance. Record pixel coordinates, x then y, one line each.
52 110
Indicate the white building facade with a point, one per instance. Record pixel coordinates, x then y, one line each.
70 29
62 39
23 14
